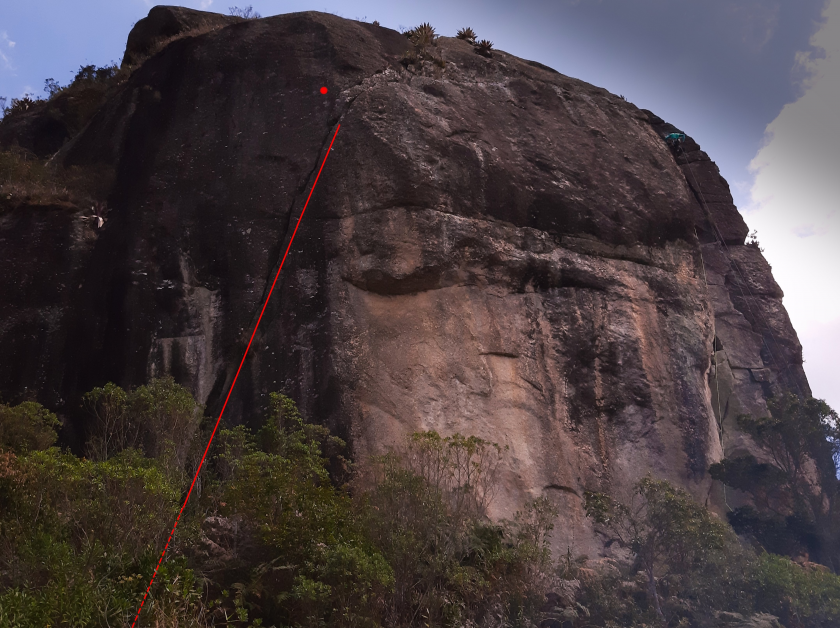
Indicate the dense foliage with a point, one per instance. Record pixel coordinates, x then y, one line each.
282 530
678 546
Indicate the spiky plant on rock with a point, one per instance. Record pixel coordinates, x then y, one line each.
423 35
467 34
484 48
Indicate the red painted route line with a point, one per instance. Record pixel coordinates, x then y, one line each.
215 427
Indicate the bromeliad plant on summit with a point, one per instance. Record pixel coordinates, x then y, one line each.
484 48
423 37
467 34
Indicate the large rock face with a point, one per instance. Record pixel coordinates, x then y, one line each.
493 248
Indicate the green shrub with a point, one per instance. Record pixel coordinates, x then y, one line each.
315 564
799 596
409 545
162 418
423 37
797 493
28 426
684 552
80 539
92 74
19 105
26 179
426 511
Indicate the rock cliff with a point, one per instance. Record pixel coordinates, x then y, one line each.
493 248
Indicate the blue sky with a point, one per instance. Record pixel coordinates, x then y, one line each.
725 71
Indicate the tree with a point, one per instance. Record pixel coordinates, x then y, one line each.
315 565
28 426
247 13
798 491
670 537
425 507
169 417
113 428
162 418
51 87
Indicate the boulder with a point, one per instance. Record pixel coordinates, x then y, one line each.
493 248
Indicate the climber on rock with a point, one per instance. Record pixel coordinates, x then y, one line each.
675 139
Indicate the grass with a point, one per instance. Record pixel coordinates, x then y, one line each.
202 28
27 180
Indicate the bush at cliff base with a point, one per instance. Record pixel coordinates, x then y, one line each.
80 539
806 596
410 545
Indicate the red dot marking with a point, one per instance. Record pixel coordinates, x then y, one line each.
323 90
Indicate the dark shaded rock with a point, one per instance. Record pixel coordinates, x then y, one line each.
722 220
44 252
40 130
226 545
164 22
752 274
760 620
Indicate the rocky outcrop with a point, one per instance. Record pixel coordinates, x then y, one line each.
493 248
168 22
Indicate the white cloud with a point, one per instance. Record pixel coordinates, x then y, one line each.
5 61
757 21
205 4
796 205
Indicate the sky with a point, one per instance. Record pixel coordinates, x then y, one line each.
755 82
